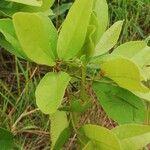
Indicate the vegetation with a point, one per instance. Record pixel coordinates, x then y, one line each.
92 91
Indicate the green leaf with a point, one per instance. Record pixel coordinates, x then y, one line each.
59 129
51 90
120 104
74 29
78 106
124 72
138 52
91 37
7 46
109 39
129 49
133 136
6 139
46 4
28 2
89 146
101 137
101 10
145 96
37 36
9 39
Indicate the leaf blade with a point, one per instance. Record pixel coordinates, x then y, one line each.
74 28
59 124
133 136
6 139
101 10
50 91
28 2
102 137
36 42
124 72
120 104
109 39
9 39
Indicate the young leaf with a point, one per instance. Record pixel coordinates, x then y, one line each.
37 36
101 10
6 139
129 49
74 28
133 136
109 39
120 104
124 72
59 129
138 52
9 39
28 2
91 37
101 137
51 90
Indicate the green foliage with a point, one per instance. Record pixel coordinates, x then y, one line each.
138 52
59 131
8 38
133 136
83 41
101 10
9 7
39 42
74 28
51 90
124 137
109 39
6 139
100 138
120 104
124 72
31 2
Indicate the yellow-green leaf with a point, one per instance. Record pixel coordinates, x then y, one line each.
109 39
133 136
37 36
129 49
58 124
45 7
101 10
74 29
124 72
138 52
91 37
145 96
89 146
101 138
28 2
47 4
51 90
9 39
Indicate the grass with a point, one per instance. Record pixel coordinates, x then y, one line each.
18 79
